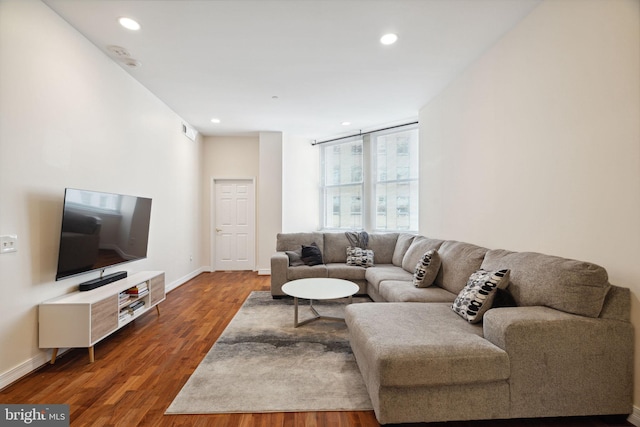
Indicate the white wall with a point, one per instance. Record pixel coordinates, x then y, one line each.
286 169
225 157
300 185
71 117
269 198
536 146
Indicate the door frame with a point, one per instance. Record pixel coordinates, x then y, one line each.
212 217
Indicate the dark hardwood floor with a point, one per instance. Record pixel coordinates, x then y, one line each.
140 369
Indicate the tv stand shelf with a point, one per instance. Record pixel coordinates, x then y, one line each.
82 319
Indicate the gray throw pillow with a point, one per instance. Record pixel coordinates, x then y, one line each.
294 257
478 295
427 269
311 255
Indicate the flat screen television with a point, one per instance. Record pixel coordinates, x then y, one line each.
101 230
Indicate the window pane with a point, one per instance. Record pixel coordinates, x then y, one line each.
400 211
343 165
397 156
345 209
396 188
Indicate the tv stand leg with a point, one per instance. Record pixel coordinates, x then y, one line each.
91 355
54 355
158 309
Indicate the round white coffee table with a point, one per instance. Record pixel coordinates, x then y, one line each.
320 288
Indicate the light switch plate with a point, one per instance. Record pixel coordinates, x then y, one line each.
8 243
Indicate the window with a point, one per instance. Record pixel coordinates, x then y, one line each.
343 185
396 179
370 182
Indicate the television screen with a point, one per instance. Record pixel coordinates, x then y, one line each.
100 230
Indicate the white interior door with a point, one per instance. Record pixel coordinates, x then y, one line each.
234 220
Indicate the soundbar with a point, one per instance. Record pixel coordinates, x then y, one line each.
101 281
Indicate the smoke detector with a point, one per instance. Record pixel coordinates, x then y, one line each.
118 51
122 54
132 63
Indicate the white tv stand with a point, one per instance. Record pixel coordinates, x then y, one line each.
81 319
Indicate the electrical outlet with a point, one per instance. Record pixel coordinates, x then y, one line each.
8 243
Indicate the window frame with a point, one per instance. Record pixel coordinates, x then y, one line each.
369 199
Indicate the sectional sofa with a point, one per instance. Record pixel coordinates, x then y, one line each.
552 336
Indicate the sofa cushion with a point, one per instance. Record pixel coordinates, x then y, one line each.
427 269
459 260
409 344
418 247
335 247
293 241
403 242
617 304
564 284
378 273
478 295
305 272
343 271
360 257
404 291
383 246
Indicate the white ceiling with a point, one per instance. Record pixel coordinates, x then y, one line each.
321 58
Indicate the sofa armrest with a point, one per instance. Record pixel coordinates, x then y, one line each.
279 266
564 364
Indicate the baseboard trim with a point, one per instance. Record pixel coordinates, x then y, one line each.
44 357
184 279
27 367
264 272
634 418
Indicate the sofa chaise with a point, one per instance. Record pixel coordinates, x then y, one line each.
552 339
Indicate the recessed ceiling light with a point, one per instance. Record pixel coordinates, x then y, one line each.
129 23
388 39
215 120
345 123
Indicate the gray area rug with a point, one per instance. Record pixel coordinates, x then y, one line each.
261 363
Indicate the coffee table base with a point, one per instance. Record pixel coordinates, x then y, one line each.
317 316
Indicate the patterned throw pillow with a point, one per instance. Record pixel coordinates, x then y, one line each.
359 256
477 296
427 269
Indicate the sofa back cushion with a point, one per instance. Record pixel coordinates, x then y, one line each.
294 241
418 247
336 244
564 284
459 261
335 247
383 246
403 242
617 304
